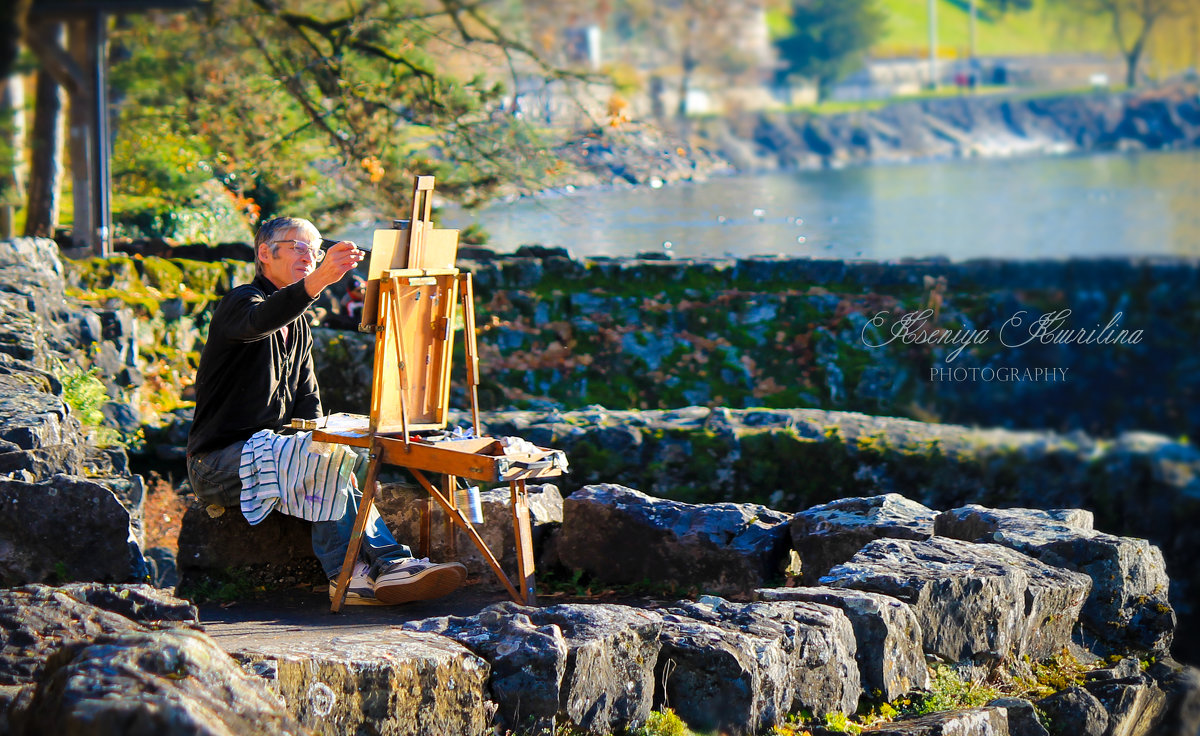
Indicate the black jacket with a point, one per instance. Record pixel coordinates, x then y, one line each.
250 377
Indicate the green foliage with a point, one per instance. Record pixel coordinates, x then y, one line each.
1048 27
1054 674
86 395
949 691
320 108
208 214
474 234
60 574
162 274
1006 6
828 39
839 723
663 723
83 392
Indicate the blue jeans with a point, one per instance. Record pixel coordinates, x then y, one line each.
215 480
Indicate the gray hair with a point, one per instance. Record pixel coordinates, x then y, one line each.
270 231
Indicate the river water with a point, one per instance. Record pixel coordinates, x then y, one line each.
1050 207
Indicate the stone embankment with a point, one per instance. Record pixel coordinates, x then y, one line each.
1137 484
754 332
967 126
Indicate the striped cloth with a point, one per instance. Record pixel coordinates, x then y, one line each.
295 476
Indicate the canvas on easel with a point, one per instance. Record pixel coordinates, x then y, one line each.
413 243
412 361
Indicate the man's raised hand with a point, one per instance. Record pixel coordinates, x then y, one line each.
339 259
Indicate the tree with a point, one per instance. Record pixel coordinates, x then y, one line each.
324 107
828 39
1133 23
682 40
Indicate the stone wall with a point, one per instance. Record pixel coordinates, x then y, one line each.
755 332
72 511
783 333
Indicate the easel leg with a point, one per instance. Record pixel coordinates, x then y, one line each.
424 547
523 536
448 485
360 523
465 525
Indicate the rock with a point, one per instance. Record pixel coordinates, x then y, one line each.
278 550
973 601
9 696
1128 606
117 325
37 255
1134 702
832 533
889 641
140 603
164 571
129 377
400 505
32 420
589 666
100 541
388 681
1074 712
715 679
1022 717
742 667
622 536
1182 687
38 620
121 416
969 722
149 683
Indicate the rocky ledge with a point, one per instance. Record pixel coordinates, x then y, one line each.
898 623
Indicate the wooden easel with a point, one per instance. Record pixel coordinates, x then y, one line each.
412 298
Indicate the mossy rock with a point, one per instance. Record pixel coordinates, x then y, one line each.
207 278
162 274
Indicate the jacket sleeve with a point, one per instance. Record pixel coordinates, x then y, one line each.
308 395
246 314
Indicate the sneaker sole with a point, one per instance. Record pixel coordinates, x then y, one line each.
354 599
427 585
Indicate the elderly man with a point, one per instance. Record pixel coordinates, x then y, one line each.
256 372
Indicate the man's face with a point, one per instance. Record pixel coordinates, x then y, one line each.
286 267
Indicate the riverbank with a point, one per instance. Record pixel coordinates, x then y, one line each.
966 126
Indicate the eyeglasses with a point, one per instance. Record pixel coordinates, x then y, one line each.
303 248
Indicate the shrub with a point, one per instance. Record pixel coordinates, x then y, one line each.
663 723
212 214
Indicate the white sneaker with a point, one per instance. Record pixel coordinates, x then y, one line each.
361 592
417 580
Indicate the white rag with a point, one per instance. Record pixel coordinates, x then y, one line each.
295 476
